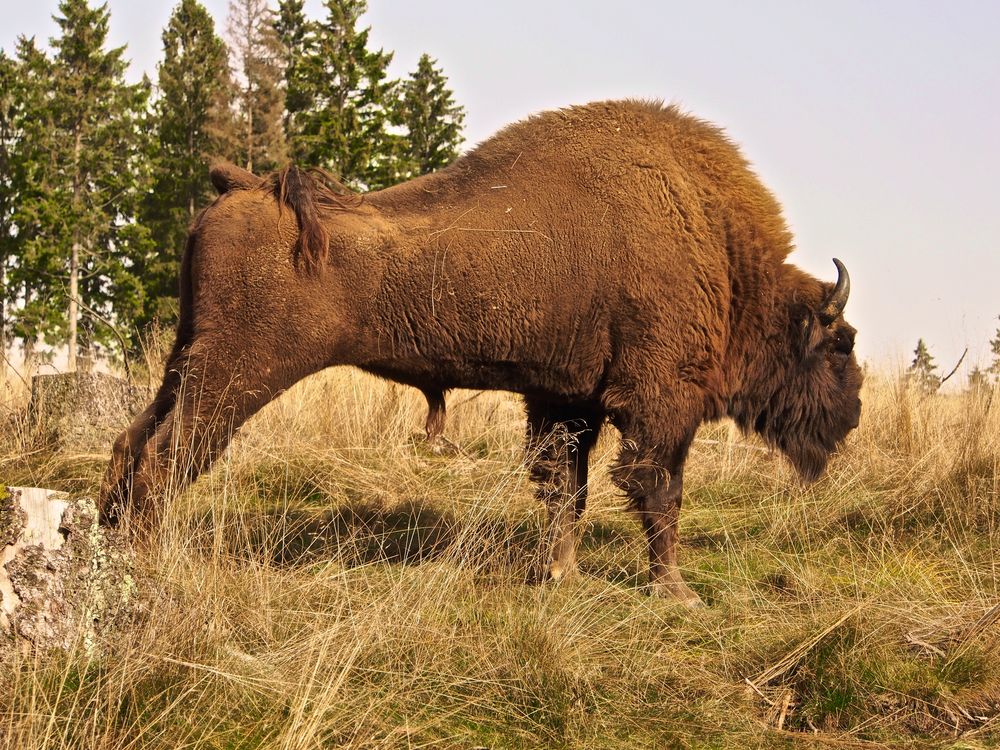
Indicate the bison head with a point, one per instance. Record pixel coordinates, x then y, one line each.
812 399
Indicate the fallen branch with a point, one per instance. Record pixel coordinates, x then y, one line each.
911 638
785 705
793 657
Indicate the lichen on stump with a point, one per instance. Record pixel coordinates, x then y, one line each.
64 580
82 411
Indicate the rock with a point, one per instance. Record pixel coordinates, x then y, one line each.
82 411
63 579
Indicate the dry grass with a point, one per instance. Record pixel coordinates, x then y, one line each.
333 584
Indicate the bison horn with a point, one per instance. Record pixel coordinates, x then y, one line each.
837 301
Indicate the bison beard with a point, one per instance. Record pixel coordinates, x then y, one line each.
612 262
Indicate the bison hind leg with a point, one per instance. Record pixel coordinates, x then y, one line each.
560 438
436 417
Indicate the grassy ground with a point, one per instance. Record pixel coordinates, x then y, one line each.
334 584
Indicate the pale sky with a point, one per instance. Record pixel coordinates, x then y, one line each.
876 124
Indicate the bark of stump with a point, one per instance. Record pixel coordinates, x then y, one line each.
82 411
64 580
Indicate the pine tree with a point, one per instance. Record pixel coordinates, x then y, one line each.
921 372
340 113
257 54
194 125
432 119
80 173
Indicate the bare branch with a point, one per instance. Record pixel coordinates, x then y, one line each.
15 370
116 332
955 368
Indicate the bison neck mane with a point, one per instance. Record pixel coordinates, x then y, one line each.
311 193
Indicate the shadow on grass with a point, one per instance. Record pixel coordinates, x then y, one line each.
360 533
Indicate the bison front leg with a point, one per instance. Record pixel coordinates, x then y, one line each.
560 439
213 394
660 511
654 485
127 447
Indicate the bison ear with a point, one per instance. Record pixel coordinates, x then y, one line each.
226 177
809 332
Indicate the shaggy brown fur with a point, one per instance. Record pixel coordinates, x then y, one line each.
611 261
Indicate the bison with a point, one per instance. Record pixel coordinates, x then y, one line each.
615 262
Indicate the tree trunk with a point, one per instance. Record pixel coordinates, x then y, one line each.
74 261
191 185
74 282
3 322
29 360
249 128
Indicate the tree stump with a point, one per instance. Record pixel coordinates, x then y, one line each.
64 580
82 411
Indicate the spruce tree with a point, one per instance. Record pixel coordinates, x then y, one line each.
432 119
31 261
82 160
978 380
9 188
297 36
340 118
257 55
921 372
994 368
194 125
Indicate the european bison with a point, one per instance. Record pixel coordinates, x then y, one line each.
616 261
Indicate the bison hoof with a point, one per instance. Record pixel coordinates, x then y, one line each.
558 571
437 445
679 592
442 446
